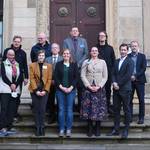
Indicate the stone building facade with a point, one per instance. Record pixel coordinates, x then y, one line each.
126 20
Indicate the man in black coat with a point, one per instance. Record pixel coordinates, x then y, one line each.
41 45
121 78
21 58
138 79
106 52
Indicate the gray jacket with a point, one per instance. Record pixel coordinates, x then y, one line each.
82 49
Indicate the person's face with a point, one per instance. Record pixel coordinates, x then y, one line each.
41 38
134 47
17 42
66 55
123 51
55 49
74 32
102 37
41 57
94 52
11 55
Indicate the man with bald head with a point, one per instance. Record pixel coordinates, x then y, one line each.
41 45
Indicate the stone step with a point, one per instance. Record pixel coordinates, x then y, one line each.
26 146
80 126
76 138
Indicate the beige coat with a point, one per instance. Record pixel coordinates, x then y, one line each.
94 71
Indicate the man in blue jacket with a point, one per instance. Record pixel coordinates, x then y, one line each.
138 79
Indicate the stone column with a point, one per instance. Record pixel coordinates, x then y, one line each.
112 23
7 22
43 16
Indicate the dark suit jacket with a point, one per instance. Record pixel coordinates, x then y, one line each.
59 71
140 67
123 76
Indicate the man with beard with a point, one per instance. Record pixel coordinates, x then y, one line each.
106 52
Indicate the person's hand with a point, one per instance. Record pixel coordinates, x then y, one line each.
133 78
115 86
43 93
68 90
38 93
13 87
25 82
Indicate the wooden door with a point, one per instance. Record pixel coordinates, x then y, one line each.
87 15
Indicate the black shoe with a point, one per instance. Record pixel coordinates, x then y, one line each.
113 133
42 131
97 128
141 121
38 132
124 134
90 128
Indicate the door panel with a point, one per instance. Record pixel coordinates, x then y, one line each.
87 15
62 18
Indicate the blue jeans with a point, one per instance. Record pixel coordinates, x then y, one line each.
65 106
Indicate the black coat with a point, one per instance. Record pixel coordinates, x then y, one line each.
123 76
106 52
140 67
59 71
37 47
21 58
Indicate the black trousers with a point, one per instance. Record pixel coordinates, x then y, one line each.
50 107
8 107
39 108
121 98
108 91
140 90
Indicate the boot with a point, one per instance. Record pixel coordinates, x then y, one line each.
42 131
37 132
90 128
97 128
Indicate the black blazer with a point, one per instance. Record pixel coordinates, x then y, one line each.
140 67
73 74
123 76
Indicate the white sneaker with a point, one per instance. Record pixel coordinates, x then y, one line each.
68 133
61 133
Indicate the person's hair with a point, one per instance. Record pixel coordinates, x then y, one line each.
134 42
71 58
123 45
40 51
17 37
89 55
105 34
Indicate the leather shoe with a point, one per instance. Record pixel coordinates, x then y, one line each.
113 133
141 121
124 134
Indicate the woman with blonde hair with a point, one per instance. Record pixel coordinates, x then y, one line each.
65 77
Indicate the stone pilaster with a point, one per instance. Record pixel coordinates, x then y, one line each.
43 16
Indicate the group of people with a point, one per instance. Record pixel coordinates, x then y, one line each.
89 73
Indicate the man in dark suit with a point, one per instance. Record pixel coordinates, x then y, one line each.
51 99
121 78
138 79
79 51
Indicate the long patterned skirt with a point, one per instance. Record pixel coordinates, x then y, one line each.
94 105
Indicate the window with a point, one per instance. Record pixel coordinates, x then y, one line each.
1 25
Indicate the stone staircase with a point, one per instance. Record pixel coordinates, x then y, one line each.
138 134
